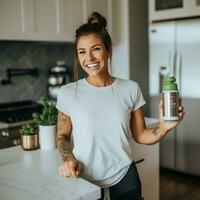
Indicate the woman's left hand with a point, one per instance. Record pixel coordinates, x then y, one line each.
169 125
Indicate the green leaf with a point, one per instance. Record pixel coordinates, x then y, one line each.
48 115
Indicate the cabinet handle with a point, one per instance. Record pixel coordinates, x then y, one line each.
139 161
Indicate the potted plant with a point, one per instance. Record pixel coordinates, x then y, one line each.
29 137
47 124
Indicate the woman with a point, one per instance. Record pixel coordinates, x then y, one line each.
102 114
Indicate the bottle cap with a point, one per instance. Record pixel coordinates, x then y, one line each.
170 83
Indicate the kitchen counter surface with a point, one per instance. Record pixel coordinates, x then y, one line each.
32 175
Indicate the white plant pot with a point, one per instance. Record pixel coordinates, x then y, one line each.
47 137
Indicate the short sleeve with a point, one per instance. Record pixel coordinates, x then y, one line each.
63 101
138 98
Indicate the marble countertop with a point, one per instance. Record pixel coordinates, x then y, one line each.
32 175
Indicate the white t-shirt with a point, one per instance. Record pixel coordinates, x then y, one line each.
101 132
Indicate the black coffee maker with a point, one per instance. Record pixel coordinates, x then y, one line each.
58 75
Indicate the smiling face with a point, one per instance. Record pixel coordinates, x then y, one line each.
92 55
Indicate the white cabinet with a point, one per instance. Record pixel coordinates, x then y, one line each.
42 20
13 19
99 6
147 163
55 20
172 9
71 17
148 169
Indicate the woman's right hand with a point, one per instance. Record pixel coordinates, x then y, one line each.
70 168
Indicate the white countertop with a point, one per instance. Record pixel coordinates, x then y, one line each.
32 175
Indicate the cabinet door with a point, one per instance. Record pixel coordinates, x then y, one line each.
99 6
13 18
44 19
72 16
148 170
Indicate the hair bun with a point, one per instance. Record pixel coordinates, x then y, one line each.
97 18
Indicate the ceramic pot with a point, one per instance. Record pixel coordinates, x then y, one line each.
47 137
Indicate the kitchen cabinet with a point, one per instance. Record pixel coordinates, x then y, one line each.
147 163
44 20
53 20
13 19
99 6
172 9
148 169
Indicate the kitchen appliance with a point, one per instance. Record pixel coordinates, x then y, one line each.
58 75
175 49
12 116
172 9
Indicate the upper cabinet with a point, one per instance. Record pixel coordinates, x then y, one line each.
13 19
42 20
173 9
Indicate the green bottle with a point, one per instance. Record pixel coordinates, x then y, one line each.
170 95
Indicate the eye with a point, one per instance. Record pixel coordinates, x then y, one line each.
81 52
97 49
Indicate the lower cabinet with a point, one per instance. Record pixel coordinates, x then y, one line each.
148 169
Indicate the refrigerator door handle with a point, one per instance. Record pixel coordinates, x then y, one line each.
178 67
172 58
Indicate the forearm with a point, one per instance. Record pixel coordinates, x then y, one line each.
64 129
64 146
151 135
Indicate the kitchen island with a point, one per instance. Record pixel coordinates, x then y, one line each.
33 175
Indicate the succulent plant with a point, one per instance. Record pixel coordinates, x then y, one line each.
28 129
48 116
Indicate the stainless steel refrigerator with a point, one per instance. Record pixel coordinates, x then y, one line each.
174 49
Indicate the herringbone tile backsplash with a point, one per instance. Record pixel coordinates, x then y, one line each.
29 55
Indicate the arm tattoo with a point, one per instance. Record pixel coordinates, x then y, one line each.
61 121
156 132
63 140
64 146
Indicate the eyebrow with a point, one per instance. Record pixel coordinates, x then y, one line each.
90 47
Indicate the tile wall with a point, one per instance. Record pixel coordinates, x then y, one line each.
28 55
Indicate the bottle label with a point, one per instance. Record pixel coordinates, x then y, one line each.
171 105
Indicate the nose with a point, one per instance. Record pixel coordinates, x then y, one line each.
90 56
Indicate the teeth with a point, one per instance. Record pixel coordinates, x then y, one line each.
92 65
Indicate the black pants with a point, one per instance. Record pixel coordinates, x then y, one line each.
129 188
